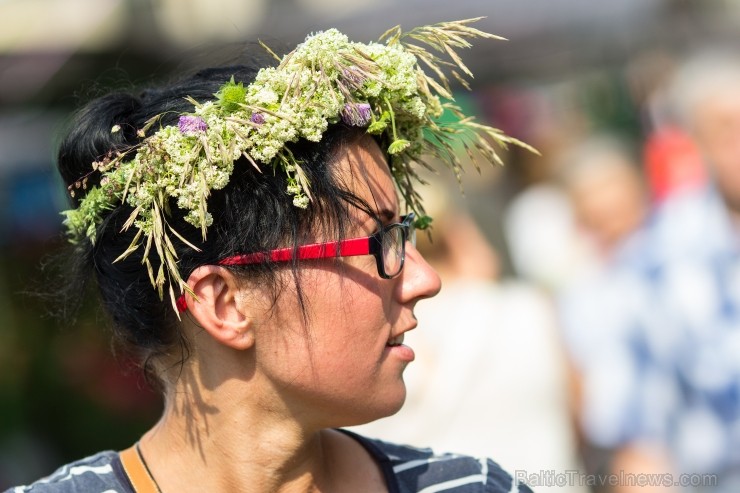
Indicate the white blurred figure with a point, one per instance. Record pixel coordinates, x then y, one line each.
489 375
545 244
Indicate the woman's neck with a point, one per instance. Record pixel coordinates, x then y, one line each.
220 439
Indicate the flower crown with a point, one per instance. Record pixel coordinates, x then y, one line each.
326 79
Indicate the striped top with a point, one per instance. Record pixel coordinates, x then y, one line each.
415 470
405 469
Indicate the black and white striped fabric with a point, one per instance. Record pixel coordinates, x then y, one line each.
99 473
415 470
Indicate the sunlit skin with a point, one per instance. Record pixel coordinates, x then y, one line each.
253 408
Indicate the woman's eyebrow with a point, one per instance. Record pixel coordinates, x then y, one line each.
387 215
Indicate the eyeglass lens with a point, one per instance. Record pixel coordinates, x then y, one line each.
393 250
394 246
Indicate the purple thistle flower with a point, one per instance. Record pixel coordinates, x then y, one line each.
353 76
191 125
356 114
257 118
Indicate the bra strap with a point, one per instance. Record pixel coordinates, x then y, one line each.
137 472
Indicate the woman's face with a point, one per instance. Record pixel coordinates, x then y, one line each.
336 366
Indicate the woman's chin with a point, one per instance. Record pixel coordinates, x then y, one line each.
378 409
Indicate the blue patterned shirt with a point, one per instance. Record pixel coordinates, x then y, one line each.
656 337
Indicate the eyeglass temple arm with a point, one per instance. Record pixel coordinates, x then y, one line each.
344 248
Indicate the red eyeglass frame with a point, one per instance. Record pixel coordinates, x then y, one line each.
351 247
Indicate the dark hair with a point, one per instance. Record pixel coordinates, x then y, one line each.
252 213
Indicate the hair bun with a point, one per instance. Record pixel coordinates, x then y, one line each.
105 125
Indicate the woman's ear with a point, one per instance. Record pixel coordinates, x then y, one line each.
216 306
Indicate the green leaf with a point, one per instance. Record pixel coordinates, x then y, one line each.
423 222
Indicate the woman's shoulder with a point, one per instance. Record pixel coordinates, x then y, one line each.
414 469
97 473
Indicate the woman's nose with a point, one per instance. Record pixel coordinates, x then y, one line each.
419 280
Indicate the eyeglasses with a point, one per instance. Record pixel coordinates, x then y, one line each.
387 245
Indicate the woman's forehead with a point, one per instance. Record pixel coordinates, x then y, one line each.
363 166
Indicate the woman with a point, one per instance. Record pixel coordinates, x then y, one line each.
245 235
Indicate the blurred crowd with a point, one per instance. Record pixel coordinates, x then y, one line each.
615 349
589 323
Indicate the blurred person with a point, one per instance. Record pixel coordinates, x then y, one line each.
287 320
502 336
605 188
674 346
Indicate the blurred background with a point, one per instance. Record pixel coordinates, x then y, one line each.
584 82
